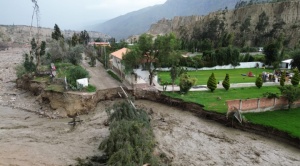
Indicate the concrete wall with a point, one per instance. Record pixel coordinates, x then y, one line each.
242 65
259 105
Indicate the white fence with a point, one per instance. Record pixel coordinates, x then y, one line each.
241 66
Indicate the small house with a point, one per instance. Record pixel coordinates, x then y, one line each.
116 58
286 64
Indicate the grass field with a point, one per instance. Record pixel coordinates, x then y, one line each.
212 103
284 120
235 75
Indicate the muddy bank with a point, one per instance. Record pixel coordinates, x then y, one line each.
188 140
199 111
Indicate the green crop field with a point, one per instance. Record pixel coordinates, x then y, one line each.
202 76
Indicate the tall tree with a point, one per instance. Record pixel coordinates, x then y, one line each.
75 39
271 52
175 72
84 37
296 59
149 54
131 59
56 34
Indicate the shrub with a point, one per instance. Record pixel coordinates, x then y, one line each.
282 79
20 70
57 51
29 64
291 93
271 95
259 81
295 78
90 88
212 82
186 83
226 83
75 73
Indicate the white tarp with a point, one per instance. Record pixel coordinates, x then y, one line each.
84 82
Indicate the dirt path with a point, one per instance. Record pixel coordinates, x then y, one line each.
99 77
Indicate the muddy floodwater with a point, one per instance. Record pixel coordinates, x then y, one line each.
29 139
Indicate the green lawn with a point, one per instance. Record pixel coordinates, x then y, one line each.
234 75
211 102
284 120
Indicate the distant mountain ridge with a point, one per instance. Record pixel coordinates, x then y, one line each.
138 22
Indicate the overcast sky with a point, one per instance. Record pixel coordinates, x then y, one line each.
69 14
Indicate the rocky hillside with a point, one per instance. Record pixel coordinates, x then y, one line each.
251 25
13 35
139 21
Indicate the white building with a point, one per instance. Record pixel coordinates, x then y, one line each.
286 64
137 80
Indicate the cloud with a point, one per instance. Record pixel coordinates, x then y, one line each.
115 6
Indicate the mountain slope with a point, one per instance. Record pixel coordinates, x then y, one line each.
266 22
140 21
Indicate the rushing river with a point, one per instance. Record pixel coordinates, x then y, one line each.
27 139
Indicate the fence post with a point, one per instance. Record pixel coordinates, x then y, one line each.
258 104
241 105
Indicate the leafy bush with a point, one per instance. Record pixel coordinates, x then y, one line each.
20 70
259 81
212 82
75 73
271 95
57 51
226 82
291 93
91 88
186 83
